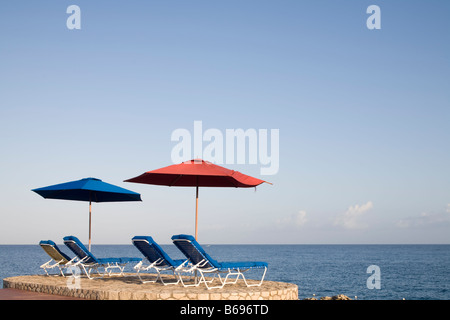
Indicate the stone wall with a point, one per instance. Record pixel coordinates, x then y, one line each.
130 288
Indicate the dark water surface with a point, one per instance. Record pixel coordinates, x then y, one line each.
413 272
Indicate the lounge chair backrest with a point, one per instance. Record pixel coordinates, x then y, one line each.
152 251
79 249
193 250
53 251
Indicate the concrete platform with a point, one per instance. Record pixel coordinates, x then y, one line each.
129 287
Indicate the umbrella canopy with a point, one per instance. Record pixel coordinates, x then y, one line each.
88 189
197 173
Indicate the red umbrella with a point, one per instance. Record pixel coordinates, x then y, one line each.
197 173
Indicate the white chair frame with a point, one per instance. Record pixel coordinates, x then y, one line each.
238 272
51 264
141 266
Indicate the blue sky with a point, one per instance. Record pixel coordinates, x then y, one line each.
363 117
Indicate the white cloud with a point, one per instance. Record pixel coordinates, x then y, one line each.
425 219
350 219
297 219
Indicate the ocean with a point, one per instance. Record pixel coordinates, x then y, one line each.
411 272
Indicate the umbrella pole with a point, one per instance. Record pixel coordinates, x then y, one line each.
196 224
90 225
196 213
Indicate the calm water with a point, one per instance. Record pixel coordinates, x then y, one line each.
407 271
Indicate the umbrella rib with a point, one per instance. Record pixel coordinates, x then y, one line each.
175 180
233 182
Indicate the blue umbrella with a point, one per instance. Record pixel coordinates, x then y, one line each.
88 189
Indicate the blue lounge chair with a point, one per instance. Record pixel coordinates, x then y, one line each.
157 259
89 262
58 258
203 263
